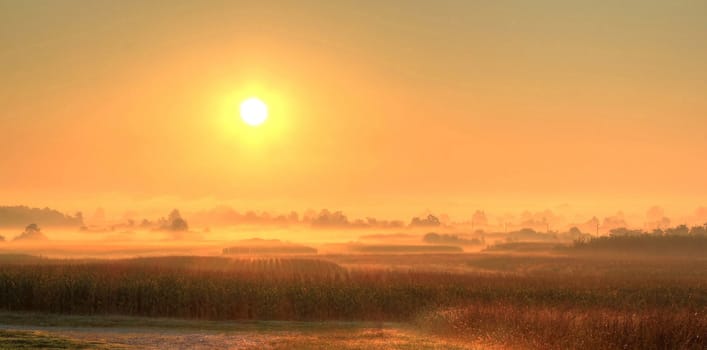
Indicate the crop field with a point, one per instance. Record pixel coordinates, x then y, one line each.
527 301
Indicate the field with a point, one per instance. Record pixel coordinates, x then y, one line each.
521 301
120 332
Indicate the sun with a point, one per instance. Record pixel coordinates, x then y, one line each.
254 111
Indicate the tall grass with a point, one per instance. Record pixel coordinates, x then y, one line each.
569 327
605 305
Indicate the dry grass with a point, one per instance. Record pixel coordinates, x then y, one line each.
553 327
536 302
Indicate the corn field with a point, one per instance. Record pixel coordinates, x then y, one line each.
544 308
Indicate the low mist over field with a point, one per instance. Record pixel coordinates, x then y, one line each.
52 233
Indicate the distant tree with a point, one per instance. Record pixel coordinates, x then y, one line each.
574 233
31 232
279 219
698 231
309 215
19 216
359 223
614 222
329 219
681 230
32 228
430 220
593 225
175 222
251 217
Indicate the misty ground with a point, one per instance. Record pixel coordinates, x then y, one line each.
117 332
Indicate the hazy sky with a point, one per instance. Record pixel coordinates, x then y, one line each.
384 107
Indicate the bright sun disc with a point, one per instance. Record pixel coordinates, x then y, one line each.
254 111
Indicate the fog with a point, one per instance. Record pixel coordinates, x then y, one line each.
50 233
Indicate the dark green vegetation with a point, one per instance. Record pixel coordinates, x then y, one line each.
529 301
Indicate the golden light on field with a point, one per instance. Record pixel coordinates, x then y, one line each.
254 111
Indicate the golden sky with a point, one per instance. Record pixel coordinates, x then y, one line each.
380 107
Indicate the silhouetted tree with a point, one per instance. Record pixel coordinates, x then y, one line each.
614 222
430 220
175 222
698 231
327 218
19 216
575 233
31 232
681 230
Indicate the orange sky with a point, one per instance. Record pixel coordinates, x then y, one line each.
376 107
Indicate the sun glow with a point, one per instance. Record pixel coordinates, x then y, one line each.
254 111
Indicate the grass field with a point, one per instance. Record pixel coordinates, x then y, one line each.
526 301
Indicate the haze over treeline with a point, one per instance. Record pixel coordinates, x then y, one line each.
541 221
21 216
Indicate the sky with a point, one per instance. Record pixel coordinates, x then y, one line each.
384 108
